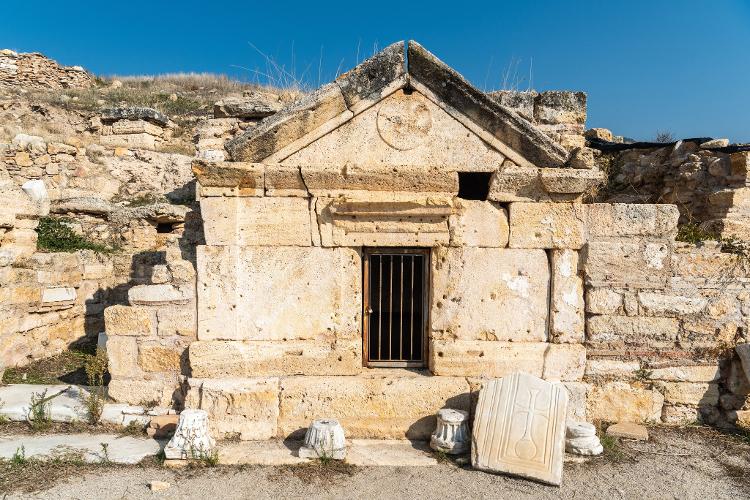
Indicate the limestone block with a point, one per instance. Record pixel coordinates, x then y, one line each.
709 373
334 181
567 316
622 220
381 407
506 288
155 357
570 180
478 224
122 356
519 428
384 219
603 301
176 321
154 295
59 294
617 368
475 358
631 329
244 179
134 141
289 124
128 320
256 221
215 359
666 304
743 351
248 407
560 106
136 127
621 402
628 430
369 81
284 181
740 163
564 362
137 391
278 293
577 395
324 439
547 225
681 415
627 263
690 393
517 183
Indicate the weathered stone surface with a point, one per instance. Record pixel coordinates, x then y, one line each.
130 141
560 106
452 432
605 367
628 430
690 393
176 321
478 224
155 357
599 133
516 183
244 179
547 225
371 407
385 219
622 402
507 290
289 124
623 220
631 329
666 304
120 449
368 80
159 295
583 159
522 102
335 181
567 317
248 407
577 395
192 439
501 122
581 439
137 390
284 181
58 294
255 221
570 180
254 105
67 407
743 351
135 113
564 362
686 373
324 439
519 428
122 356
626 263
474 358
278 293
128 320
136 127
403 129
216 359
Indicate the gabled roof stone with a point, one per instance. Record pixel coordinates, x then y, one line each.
375 79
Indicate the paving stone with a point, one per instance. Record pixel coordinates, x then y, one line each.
120 449
628 430
67 407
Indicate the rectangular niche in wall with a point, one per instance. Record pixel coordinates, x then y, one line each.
396 286
474 185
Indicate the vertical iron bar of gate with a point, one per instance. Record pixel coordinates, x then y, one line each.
411 311
380 303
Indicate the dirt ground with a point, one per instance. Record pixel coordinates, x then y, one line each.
676 463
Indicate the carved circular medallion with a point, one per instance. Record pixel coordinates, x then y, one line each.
404 123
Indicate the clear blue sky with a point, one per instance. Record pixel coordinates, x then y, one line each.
682 66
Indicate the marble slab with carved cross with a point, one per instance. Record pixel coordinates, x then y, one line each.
519 428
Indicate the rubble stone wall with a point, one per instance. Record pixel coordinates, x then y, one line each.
35 71
709 186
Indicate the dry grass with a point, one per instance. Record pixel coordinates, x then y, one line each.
68 367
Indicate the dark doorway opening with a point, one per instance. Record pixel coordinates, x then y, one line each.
474 185
395 307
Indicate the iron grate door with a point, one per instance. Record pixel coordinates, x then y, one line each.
395 307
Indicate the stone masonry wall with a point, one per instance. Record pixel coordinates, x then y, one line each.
34 71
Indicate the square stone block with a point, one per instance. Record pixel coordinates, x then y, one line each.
547 225
128 320
473 358
619 220
254 221
622 402
627 263
567 316
478 224
278 293
490 294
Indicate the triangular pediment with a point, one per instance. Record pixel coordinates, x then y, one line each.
388 111
402 129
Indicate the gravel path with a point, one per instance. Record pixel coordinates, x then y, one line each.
685 463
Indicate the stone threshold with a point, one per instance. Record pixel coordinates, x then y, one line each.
361 452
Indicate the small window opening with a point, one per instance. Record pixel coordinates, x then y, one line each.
164 227
474 185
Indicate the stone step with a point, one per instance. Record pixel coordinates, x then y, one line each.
87 447
67 407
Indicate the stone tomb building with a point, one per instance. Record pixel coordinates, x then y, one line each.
378 248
